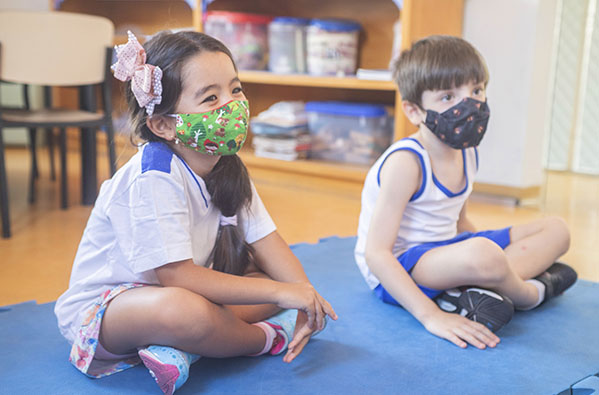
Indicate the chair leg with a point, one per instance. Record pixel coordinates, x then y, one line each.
111 149
33 148
50 132
34 173
63 169
4 193
50 141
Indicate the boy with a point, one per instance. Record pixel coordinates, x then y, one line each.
414 237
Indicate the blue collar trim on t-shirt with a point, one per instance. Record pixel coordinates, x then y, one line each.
195 179
156 156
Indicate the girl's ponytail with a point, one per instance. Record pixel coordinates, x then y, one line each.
230 189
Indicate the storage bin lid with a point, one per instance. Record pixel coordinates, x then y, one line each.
335 25
237 17
346 108
286 20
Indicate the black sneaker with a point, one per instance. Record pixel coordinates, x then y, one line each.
480 305
557 279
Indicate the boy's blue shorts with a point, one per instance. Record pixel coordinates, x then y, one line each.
410 257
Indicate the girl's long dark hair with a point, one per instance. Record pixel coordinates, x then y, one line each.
228 183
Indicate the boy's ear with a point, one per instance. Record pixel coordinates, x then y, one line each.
413 111
162 126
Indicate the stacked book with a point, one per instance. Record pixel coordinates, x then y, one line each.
281 132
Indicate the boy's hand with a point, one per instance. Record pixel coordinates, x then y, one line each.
460 330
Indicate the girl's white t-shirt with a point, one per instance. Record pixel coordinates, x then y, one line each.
431 214
154 211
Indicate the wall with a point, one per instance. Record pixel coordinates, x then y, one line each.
516 39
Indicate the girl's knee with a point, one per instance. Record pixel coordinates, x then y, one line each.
488 262
182 314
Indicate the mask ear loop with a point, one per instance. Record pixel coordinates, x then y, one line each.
425 114
172 116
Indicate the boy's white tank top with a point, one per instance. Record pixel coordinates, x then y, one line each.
431 214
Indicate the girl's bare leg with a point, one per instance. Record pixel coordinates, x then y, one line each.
178 318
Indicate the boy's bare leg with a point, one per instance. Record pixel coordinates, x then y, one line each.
477 261
537 245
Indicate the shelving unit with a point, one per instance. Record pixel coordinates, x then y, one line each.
419 18
267 78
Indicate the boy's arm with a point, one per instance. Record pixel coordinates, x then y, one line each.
464 223
400 179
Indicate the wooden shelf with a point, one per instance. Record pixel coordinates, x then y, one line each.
348 82
331 170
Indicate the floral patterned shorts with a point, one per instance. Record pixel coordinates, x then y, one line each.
86 342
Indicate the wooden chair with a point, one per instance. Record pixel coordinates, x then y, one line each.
32 136
56 49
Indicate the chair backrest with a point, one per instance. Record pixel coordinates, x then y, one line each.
53 48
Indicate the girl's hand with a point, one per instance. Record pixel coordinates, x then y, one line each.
301 336
460 330
312 308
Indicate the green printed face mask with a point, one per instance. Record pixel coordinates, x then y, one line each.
221 131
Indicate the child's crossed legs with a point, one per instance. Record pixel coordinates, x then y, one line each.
481 262
181 319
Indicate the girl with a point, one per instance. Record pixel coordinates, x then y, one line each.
179 257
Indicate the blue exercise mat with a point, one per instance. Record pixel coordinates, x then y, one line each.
374 348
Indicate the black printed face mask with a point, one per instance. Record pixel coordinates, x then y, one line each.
461 126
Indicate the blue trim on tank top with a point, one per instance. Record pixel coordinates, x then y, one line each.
446 191
414 140
423 185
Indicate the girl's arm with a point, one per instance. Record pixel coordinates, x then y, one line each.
225 288
464 223
274 257
400 179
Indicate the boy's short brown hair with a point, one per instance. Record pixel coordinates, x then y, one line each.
437 63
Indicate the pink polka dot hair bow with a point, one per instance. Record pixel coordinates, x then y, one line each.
145 78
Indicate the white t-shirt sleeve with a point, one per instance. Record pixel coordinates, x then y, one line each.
152 221
258 223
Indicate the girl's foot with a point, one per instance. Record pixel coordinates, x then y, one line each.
284 324
168 366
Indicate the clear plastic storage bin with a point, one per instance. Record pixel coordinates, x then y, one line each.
287 45
348 132
332 47
244 34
